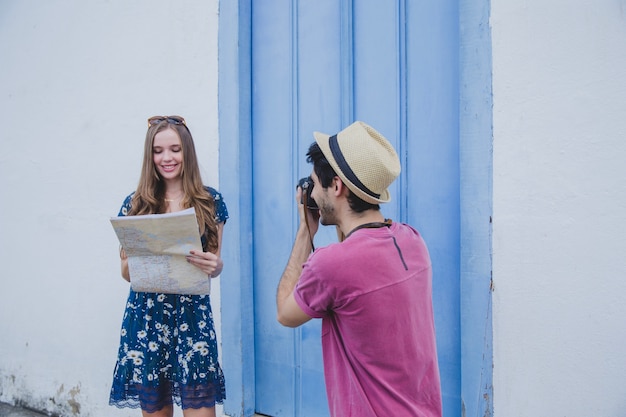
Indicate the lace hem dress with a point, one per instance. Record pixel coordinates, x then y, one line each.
168 348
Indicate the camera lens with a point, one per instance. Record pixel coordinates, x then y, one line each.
306 184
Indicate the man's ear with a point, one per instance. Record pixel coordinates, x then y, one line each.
340 187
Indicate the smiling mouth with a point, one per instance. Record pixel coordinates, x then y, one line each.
168 168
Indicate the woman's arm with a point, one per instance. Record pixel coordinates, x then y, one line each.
124 261
123 258
220 265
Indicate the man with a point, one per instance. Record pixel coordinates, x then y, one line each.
372 290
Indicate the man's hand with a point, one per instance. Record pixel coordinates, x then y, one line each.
308 217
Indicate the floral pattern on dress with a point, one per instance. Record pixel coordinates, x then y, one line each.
168 341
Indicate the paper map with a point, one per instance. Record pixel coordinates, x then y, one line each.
157 246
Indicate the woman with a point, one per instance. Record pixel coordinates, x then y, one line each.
168 349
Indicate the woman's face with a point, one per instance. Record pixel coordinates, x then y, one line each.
167 154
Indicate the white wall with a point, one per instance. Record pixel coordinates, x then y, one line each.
78 79
559 231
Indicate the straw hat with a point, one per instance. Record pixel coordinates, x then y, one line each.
364 160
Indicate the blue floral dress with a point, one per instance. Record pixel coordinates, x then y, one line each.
168 348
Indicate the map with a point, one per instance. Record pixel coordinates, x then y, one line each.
157 246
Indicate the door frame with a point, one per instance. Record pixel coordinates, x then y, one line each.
235 173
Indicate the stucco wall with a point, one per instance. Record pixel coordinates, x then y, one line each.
559 202
77 82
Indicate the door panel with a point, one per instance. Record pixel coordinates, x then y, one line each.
319 65
271 168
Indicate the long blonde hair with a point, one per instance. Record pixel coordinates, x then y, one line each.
149 197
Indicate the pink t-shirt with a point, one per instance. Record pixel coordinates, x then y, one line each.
373 292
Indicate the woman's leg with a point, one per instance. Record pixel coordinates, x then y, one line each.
155 397
199 412
167 411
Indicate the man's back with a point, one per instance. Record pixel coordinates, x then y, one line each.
373 292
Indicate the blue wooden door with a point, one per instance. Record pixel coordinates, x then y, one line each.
320 65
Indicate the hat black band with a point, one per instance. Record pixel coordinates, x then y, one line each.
345 168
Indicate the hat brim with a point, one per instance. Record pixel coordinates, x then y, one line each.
322 140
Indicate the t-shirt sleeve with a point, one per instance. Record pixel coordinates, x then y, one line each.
312 293
221 212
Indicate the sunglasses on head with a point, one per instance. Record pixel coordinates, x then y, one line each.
175 120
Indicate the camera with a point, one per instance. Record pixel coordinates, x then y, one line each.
306 184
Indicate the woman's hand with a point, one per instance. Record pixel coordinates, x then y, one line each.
208 262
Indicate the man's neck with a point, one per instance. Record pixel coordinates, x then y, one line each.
353 222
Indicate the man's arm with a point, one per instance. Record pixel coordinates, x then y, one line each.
289 312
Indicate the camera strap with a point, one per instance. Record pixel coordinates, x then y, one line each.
373 225
306 218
